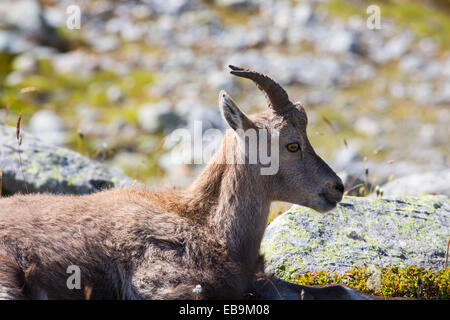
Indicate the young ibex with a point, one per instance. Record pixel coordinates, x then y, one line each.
132 243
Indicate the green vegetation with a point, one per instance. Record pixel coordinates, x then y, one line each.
425 18
411 282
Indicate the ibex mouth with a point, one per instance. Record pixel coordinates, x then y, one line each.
332 193
329 203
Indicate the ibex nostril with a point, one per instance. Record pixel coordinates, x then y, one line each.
339 186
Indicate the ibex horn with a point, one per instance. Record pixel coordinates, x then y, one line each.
276 97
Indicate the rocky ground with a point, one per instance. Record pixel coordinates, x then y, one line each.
135 70
400 231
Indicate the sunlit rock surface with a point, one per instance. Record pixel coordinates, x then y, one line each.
392 231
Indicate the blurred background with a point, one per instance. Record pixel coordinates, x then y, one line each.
378 99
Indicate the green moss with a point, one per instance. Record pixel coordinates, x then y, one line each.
412 282
287 272
33 170
74 180
56 175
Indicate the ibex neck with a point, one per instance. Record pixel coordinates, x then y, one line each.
238 205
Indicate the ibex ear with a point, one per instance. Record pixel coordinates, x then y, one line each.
235 118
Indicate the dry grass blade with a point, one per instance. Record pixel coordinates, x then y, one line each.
346 143
353 188
350 185
19 119
330 124
19 143
366 179
262 276
29 89
87 292
7 106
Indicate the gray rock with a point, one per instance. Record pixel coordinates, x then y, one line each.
345 157
102 43
55 17
218 80
364 72
303 14
411 63
25 63
171 7
428 47
437 182
393 49
432 70
114 94
340 41
48 126
13 43
22 14
319 96
131 31
158 117
381 232
50 169
421 93
314 71
397 90
236 38
367 125
193 111
442 95
14 78
76 62
28 18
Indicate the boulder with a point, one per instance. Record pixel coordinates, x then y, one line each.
381 232
52 169
435 182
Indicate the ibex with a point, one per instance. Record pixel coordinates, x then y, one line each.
133 243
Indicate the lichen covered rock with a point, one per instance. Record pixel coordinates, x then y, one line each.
50 169
393 231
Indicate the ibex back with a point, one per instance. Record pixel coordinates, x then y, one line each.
133 243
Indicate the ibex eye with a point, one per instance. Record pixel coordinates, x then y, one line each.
293 147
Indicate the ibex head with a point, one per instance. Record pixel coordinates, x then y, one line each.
303 177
